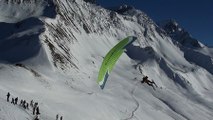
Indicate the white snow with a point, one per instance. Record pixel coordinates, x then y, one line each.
13 11
61 75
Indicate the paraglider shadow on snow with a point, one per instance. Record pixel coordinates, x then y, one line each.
20 41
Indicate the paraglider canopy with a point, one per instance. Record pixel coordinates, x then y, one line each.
111 58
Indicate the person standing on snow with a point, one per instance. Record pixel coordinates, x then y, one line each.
13 101
37 111
34 108
27 106
24 104
57 117
21 102
16 100
31 103
61 117
8 96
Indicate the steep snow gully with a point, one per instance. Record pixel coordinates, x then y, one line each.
51 51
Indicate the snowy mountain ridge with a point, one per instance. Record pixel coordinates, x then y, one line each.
175 31
53 56
14 11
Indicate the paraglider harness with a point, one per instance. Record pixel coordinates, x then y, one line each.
149 82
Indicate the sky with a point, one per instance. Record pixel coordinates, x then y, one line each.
195 16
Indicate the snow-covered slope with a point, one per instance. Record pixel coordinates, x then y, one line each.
194 51
54 58
13 11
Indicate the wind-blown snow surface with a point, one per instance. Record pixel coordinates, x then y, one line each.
60 71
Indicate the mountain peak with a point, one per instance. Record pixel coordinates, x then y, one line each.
53 61
91 1
175 31
124 9
170 26
13 11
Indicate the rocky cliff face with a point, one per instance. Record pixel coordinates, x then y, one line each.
176 32
91 1
59 46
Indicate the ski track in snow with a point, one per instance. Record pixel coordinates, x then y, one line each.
136 103
56 75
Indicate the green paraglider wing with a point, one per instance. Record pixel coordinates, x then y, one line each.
111 58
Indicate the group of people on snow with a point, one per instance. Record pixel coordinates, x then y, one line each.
25 105
57 117
35 107
14 101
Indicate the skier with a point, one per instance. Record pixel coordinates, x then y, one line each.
16 100
8 96
150 83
